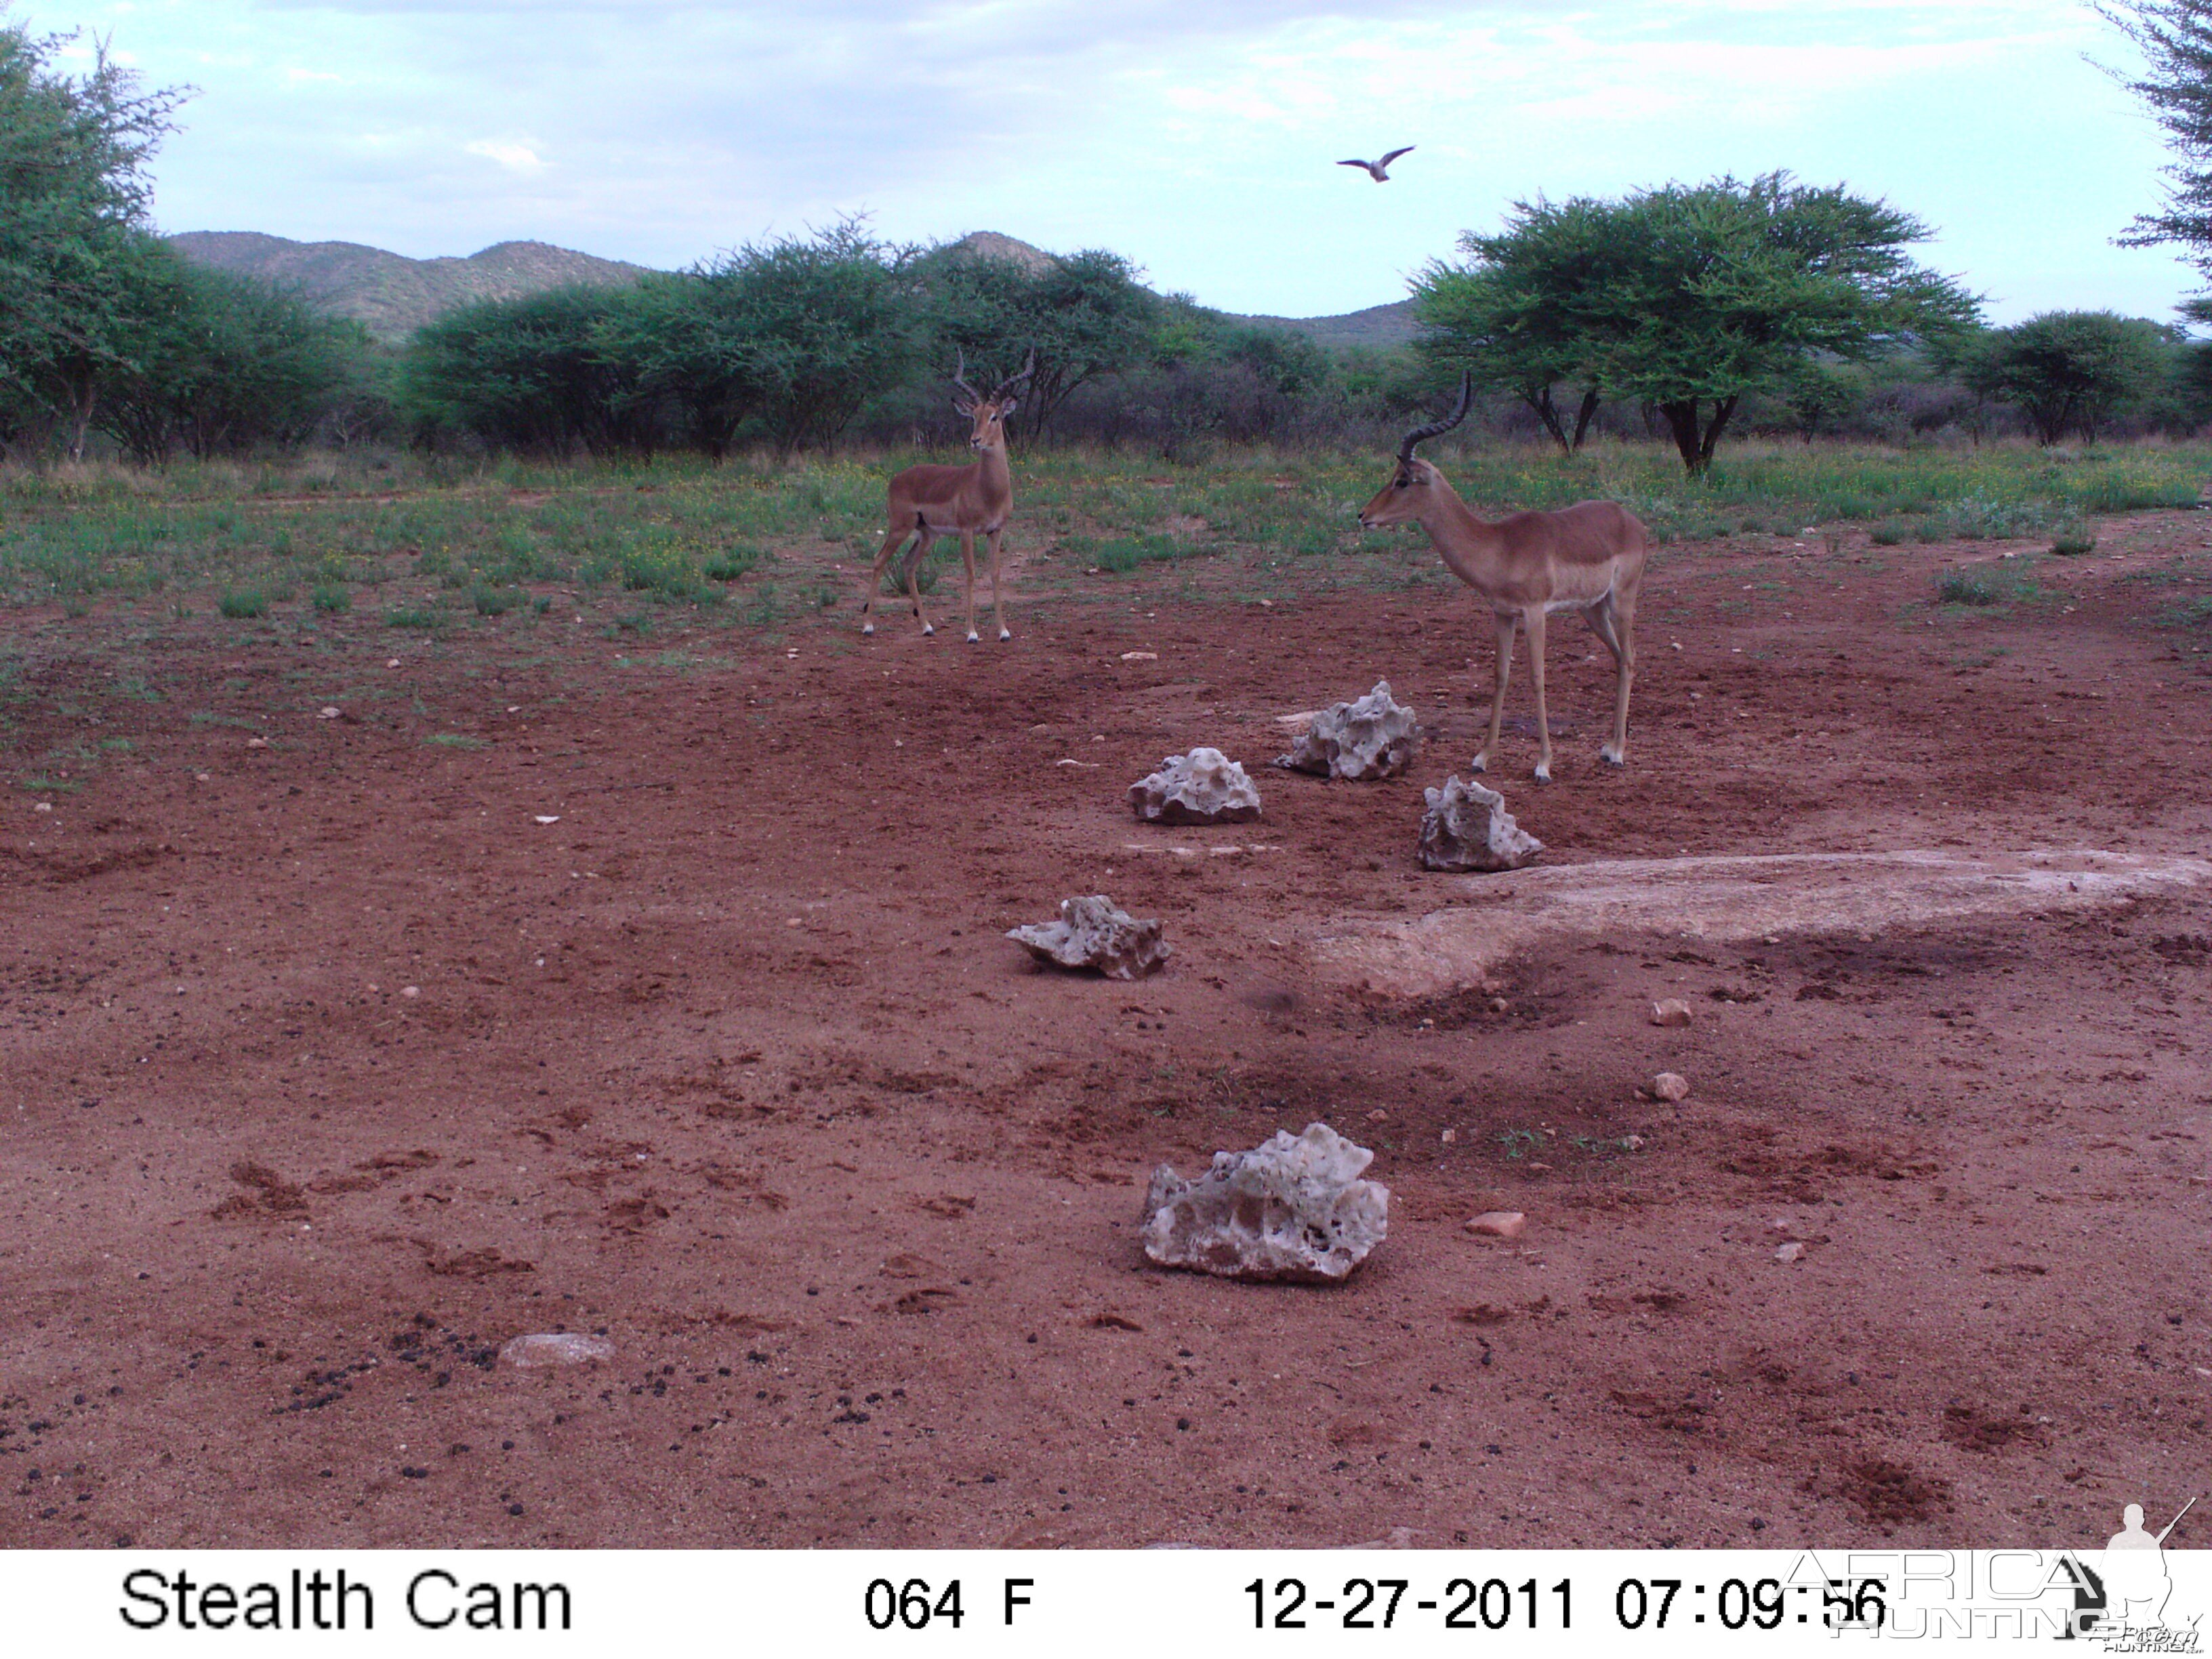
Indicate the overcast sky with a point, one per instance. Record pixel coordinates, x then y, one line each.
1197 137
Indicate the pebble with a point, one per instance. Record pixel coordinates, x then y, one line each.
329 712
1671 1085
1498 1224
1673 1011
556 1348
1140 656
1790 1252
256 743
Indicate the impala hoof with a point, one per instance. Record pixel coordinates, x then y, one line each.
927 629
867 627
973 638
1543 774
1612 756
1005 635
1479 764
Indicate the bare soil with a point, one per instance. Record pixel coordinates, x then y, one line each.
329 1068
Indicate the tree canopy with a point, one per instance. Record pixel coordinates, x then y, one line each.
1688 297
2175 37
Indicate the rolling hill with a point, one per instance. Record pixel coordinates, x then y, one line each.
393 296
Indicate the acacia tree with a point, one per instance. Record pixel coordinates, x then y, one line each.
1709 292
1514 316
74 196
2070 371
1083 314
2175 37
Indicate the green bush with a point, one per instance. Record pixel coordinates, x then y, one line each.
491 601
410 616
241 603
1889 532
733 562
332 598
1965 587
2073 538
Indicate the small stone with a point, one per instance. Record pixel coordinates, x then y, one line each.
1204 787
1671 1085
410 990
546 817
43 806
556 1348
1095 933
1634 1143
256 743
1140 656
1790 1252
1373 738
1449 1136
1467 827
1292 1208
1498 1224
1673 1011
328 713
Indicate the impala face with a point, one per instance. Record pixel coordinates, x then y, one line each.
990 416
1403 500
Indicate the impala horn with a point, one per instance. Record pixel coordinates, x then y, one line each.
1435 428
1017 382
960 377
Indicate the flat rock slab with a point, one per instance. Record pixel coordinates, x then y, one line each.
556 1348
1727 899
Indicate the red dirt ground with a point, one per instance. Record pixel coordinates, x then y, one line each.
328 1069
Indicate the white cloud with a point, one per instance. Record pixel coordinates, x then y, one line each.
515 158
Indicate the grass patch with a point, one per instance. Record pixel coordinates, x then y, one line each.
455 740
410 616
732 563
331 599
242 604
2074 538
491 601
1957 587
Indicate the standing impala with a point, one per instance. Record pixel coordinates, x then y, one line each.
1588 557
929 501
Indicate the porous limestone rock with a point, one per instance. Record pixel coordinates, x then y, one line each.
1292 1208
1204 787
1467 827
556 1348
1373 738
1096 933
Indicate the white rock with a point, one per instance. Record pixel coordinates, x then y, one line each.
1292 1208
556 1348
1673 1011
1790 1252
1096 933
1671 1085
1372 737
1204 787
1498 1224
1467 827
329 712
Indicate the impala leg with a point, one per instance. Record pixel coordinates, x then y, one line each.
968 559
1622 615
1506 623
884 556
1533 622
998 592
922 543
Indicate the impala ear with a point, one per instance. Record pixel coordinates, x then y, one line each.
965 407
1007 405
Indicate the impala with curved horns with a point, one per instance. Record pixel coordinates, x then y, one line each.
928 502
1588 557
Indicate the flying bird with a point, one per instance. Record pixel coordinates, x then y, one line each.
1378 170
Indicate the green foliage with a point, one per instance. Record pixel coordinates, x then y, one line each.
2175 37
1957 587
241 603
547 373
1085 315
490 601
2073 538
413 617
1689 297
332 599
2070 371
1519 315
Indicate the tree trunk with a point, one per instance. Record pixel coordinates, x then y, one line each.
1695 438
1584 416
1539 400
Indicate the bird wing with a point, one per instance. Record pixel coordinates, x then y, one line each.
1355 164
1396 154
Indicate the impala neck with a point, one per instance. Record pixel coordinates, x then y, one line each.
1469 545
